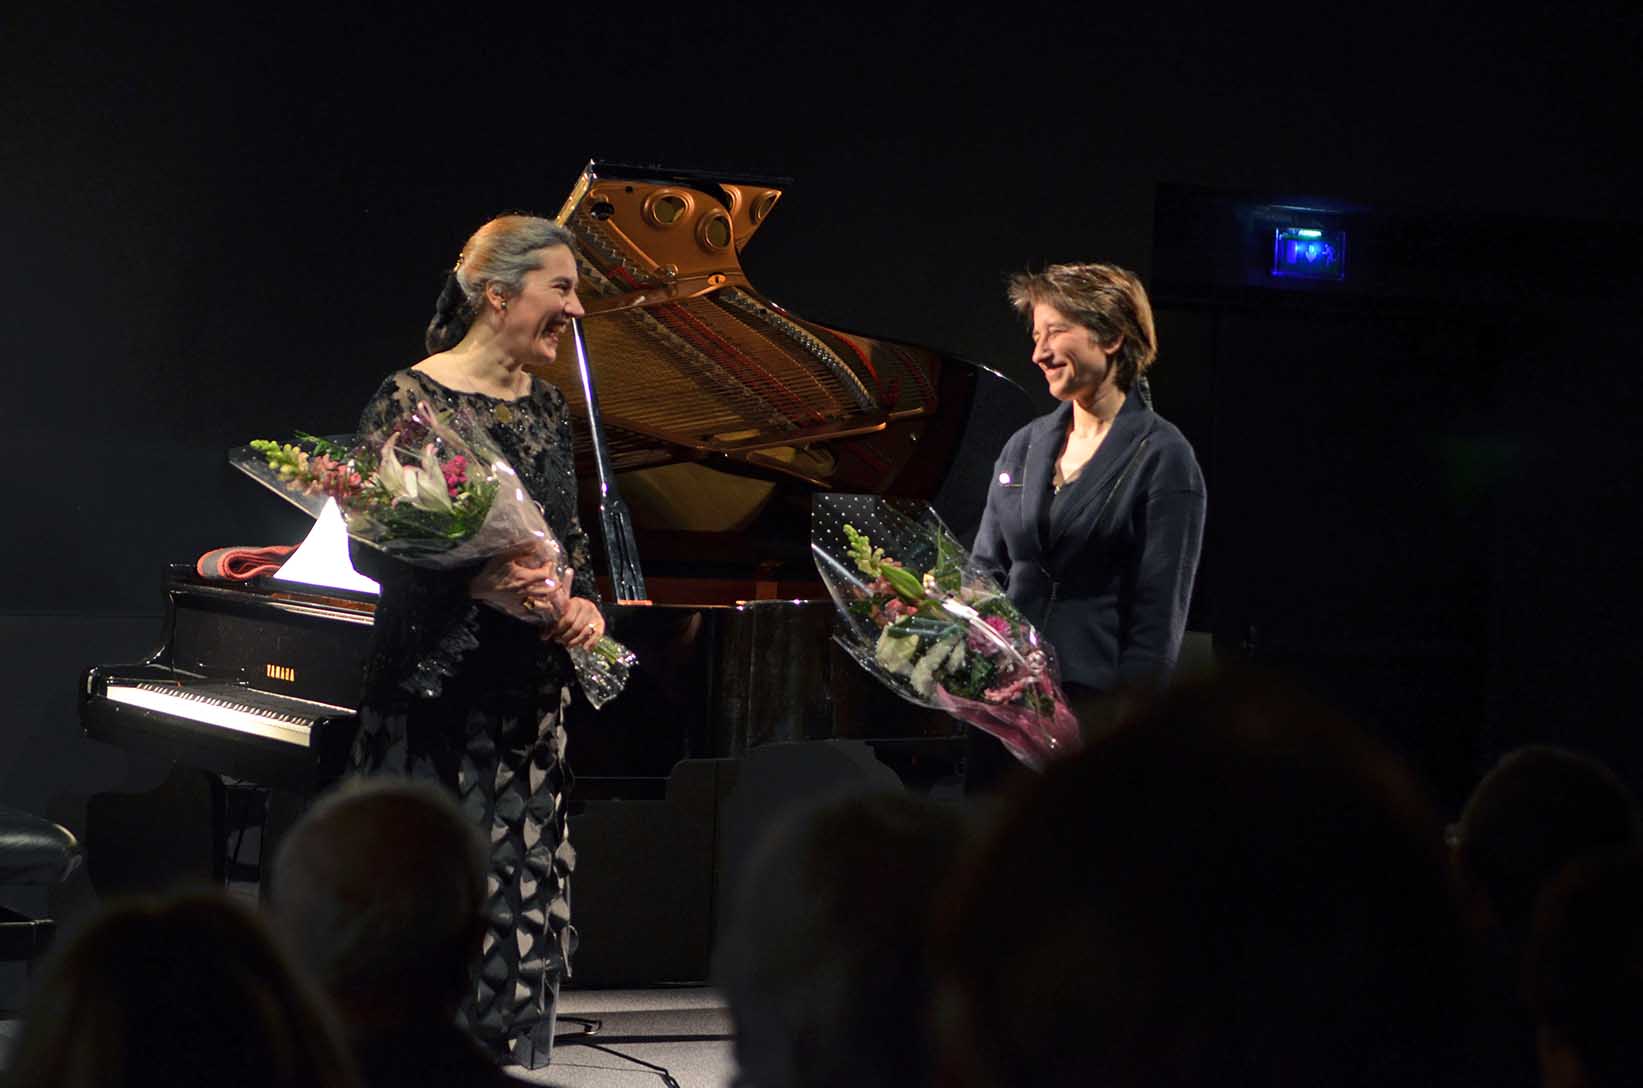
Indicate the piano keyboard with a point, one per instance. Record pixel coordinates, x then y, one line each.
218 707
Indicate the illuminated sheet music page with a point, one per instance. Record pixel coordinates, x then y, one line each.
322 560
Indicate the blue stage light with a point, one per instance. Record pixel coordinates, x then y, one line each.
1309 253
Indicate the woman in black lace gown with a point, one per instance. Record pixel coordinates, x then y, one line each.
463 693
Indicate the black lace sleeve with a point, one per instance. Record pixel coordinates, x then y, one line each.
395 399
426 621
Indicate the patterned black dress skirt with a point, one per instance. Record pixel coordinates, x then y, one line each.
504 757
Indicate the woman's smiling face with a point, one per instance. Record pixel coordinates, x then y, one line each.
1074 365
543 308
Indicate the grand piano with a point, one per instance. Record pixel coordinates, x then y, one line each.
722 415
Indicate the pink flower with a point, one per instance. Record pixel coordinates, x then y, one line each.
1010 692
895 609
333 478
981 642
456 473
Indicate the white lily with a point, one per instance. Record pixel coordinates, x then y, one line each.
433 493
895 652
948 652
423 486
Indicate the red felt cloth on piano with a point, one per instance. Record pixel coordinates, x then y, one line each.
242 564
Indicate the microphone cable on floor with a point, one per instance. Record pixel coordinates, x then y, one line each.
590 1027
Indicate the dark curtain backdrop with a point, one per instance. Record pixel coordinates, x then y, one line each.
234 224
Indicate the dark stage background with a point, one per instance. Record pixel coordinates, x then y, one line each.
1422 490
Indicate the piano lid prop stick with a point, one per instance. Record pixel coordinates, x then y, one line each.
626 579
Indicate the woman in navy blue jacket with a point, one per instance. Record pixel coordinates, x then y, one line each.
1095 513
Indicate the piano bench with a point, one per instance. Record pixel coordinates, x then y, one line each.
22 937
32 851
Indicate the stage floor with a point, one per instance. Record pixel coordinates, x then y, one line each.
686 1030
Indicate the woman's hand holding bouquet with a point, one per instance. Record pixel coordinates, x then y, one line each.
527 585
522 583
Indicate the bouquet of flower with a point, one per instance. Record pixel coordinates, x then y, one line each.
919 615
434 493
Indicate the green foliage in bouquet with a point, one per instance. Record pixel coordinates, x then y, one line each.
909 606
945 637
870 561
456 523
948 573
426 499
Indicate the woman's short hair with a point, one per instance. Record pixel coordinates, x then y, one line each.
501 252
1106 299
187 989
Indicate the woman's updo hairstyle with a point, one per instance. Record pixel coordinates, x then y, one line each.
1105 299
500 252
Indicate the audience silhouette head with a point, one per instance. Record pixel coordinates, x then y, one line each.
381 889
824 966
1232 888
1583 973
189 989
1539 808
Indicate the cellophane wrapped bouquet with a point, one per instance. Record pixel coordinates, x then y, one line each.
434 493
919 614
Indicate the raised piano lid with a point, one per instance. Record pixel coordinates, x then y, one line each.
724 412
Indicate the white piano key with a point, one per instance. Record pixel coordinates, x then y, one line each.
213 710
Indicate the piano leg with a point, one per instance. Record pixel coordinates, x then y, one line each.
284 809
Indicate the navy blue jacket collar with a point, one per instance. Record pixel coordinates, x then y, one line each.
1093 485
